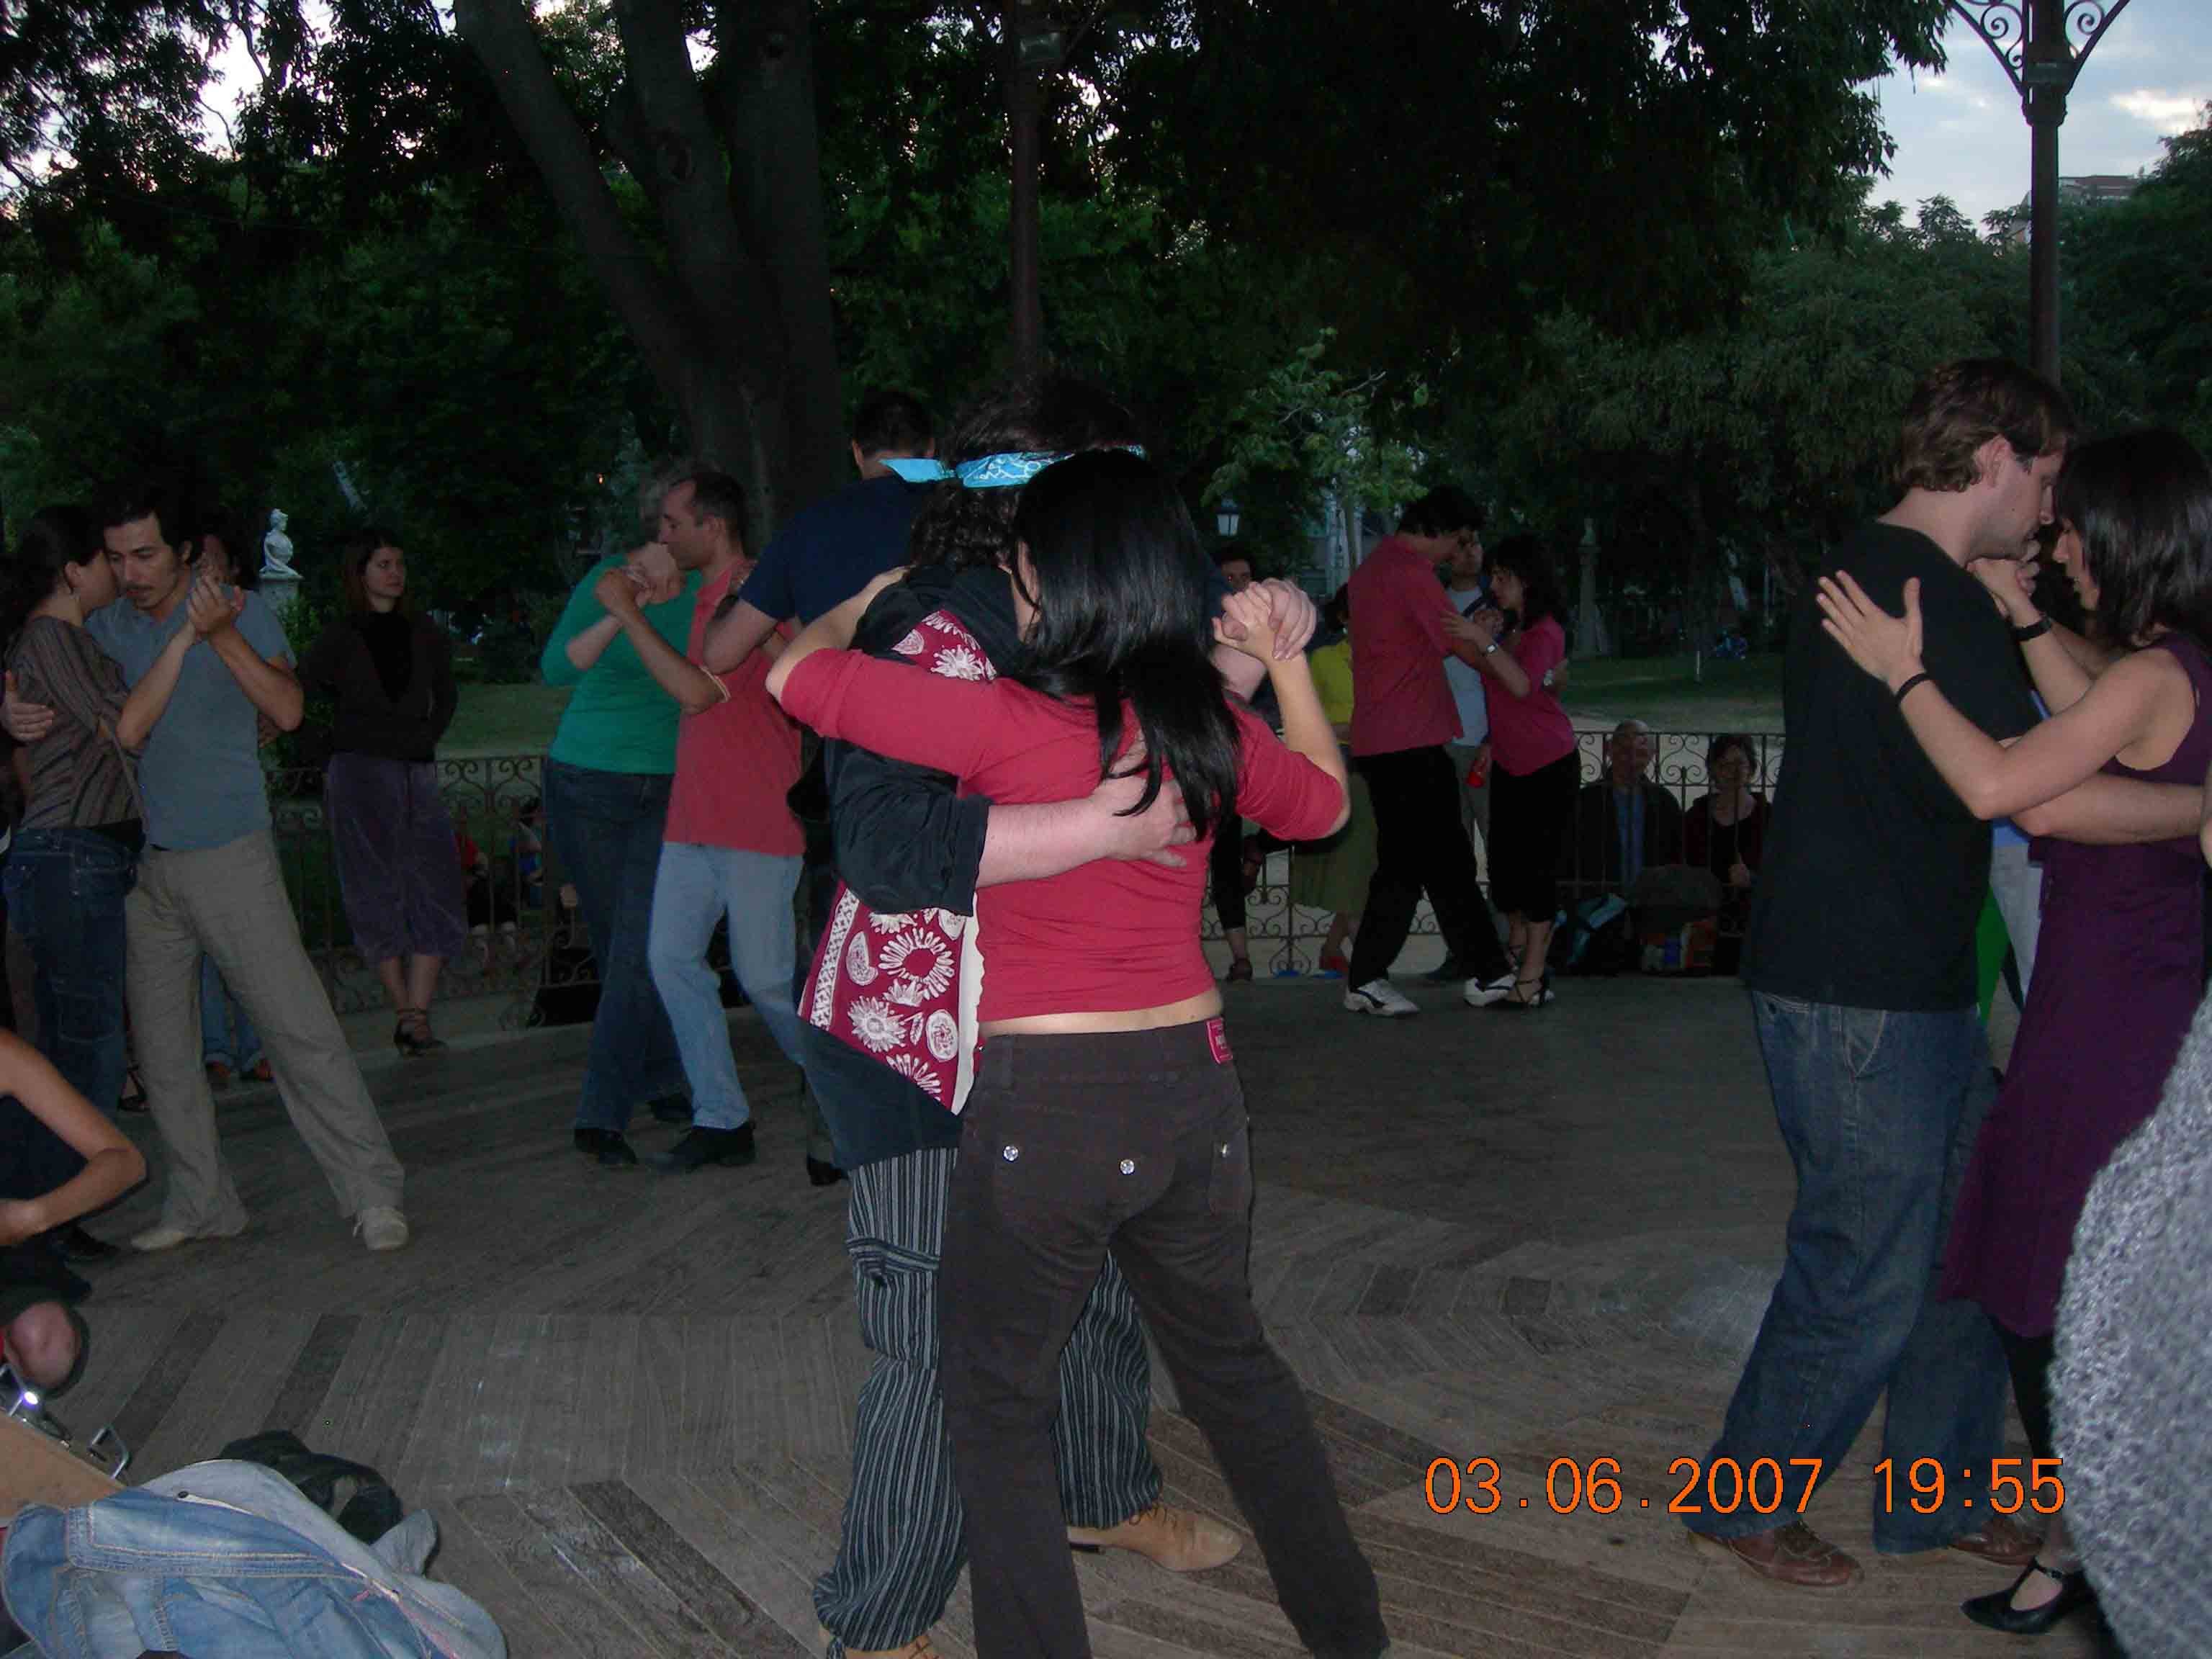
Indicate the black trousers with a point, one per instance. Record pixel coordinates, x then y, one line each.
1421 845
1136 1141
2029 1358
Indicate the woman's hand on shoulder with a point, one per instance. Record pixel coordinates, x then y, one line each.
1887 647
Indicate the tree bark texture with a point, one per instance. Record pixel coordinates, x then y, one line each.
735 320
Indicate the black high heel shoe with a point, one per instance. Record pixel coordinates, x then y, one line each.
1997 1611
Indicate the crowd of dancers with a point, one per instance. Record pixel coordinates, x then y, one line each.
1030 695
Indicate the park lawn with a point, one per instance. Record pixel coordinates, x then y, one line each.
1670 693
504 719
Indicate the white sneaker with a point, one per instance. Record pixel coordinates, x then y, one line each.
1480 993
1380 998
381 1227
168 1237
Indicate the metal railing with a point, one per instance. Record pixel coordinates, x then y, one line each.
525 945
1286 939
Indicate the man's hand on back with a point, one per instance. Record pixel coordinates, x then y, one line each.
27 722
1151 835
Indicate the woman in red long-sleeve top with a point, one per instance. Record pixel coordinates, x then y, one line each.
1105 1111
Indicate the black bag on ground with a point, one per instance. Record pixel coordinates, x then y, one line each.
353 1494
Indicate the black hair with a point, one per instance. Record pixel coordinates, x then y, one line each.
714 495
165 503
51 537
891 423
224 524
2142 505
1052 414
1724 741
1337 613
1124 615
359 550
1527 557
1442 512
1227 555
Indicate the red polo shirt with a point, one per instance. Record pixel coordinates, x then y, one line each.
736 761
1400 698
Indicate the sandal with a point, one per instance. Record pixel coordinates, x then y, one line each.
1526 998
412 1036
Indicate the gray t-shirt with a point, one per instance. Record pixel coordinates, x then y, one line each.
1466 680
201 770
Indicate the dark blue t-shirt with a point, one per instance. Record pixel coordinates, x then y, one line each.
834 548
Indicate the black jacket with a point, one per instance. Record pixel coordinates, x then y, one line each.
906 840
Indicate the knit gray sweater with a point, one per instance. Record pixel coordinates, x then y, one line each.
2131 1384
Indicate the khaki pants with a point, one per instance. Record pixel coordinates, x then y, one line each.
230 902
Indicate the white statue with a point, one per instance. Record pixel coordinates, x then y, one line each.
276 548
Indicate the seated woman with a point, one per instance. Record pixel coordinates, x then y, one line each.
2120 959
1725 832
43 1341
1106 1111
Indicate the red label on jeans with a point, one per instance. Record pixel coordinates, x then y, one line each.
1217 1039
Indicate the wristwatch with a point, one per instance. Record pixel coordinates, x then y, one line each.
1491 647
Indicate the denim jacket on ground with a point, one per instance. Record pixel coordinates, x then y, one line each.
257 1572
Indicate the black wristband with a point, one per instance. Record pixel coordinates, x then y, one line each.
1910 683
2034 630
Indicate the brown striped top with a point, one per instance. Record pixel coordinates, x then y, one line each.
80 777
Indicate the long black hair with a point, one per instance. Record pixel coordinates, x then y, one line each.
1124 614
1527 557
51 538
2142 505
1048 414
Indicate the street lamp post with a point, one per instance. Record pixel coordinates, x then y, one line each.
1034 45
2036 41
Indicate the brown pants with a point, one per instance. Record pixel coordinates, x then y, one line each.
230 903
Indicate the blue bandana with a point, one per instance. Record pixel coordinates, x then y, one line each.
1008 471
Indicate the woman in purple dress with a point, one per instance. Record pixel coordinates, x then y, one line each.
2120 965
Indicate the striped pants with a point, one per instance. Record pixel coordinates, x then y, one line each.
901 1550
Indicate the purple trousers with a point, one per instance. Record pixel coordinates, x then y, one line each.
398 866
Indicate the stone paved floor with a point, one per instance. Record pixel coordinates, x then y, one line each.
628 1398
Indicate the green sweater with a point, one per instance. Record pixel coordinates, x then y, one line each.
618 719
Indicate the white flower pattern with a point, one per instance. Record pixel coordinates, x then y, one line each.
876 1024
944 1033
915 1071
913 983
912 645
958 662
860 965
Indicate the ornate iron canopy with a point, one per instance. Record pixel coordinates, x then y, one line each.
2009 29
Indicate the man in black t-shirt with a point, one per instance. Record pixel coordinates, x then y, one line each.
1861 965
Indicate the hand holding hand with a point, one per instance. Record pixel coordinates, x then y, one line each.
1246 624
1294 614
654 573
1738 874
2011 583
1479 631
619 593
1887 647
27 722
210 608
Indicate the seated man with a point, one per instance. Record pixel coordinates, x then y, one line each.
1624 825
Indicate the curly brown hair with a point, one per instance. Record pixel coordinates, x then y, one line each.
1052 413
1959 407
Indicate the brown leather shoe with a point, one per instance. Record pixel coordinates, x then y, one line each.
2002 1542
1794 1554
1181 1540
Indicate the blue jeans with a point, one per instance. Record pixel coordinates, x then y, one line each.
1880 1110
696 887
606 829
226 1035
65 892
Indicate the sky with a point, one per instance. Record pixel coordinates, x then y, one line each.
1960 134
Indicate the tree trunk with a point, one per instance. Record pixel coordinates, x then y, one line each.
735 323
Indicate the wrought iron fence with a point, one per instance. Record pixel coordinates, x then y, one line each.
529 946
1286 938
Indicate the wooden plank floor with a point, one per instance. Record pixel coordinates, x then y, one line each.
628 1397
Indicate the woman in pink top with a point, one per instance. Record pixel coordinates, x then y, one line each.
1532 756
1106 1111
